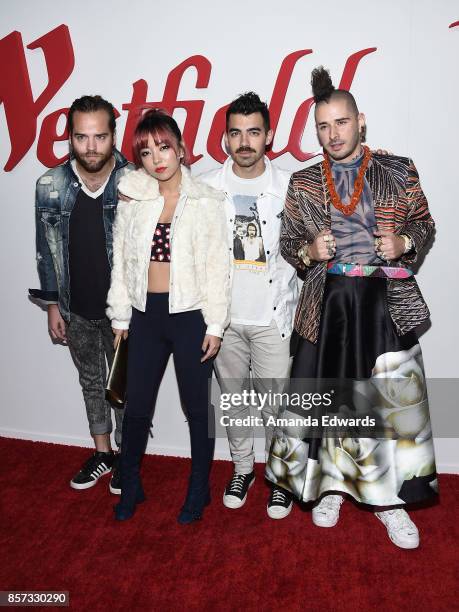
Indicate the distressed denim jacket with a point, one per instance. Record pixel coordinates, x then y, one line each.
55 198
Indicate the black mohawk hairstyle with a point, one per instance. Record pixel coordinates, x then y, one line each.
322 86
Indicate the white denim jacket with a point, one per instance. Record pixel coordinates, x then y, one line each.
200 264
270 204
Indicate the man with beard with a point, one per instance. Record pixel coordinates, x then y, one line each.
264 291
75 209
354 224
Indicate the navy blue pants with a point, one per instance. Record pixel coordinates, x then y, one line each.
153 336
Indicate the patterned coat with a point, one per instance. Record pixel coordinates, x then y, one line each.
400 207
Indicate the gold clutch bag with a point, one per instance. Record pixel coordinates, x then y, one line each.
117 378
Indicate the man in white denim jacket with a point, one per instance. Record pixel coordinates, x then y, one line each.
264 289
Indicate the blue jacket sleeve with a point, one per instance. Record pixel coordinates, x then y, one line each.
48 292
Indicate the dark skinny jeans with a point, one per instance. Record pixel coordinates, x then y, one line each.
153 336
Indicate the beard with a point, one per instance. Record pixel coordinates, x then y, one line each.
93 163
346 151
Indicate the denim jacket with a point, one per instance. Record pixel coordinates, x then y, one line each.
56 193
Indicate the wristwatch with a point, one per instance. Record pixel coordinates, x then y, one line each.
303 254
408 243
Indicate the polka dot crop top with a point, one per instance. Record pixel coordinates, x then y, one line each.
160 245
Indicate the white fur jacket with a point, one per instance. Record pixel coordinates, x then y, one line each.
200 262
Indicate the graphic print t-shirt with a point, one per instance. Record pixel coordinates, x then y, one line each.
251 297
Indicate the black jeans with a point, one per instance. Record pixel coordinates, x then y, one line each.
153 336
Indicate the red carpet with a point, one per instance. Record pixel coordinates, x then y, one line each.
55 538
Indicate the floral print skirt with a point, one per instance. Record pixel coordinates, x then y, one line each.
358 345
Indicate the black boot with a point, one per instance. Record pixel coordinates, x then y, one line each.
134 441
197 498
198 494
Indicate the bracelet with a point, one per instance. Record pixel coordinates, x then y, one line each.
408 243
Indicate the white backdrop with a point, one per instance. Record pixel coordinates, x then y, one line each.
408 89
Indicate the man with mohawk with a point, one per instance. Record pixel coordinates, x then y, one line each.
353 225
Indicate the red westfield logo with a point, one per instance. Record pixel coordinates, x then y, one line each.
22 111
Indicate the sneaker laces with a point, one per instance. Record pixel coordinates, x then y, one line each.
91 464
330 503
237 482
397 520
278 496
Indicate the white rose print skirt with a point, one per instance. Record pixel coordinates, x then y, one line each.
374 440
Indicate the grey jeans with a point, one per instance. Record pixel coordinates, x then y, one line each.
91 346
261 352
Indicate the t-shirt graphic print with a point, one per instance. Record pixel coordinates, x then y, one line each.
248 249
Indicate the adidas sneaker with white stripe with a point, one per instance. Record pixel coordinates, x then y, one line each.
95 467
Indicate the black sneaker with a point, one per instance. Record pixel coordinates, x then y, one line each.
115 480
236 491
280 503
95 467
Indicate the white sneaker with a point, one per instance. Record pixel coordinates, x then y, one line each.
326 513
401 529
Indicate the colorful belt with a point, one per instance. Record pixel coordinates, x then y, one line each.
345 269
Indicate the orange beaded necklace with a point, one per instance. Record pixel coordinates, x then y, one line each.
347 209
